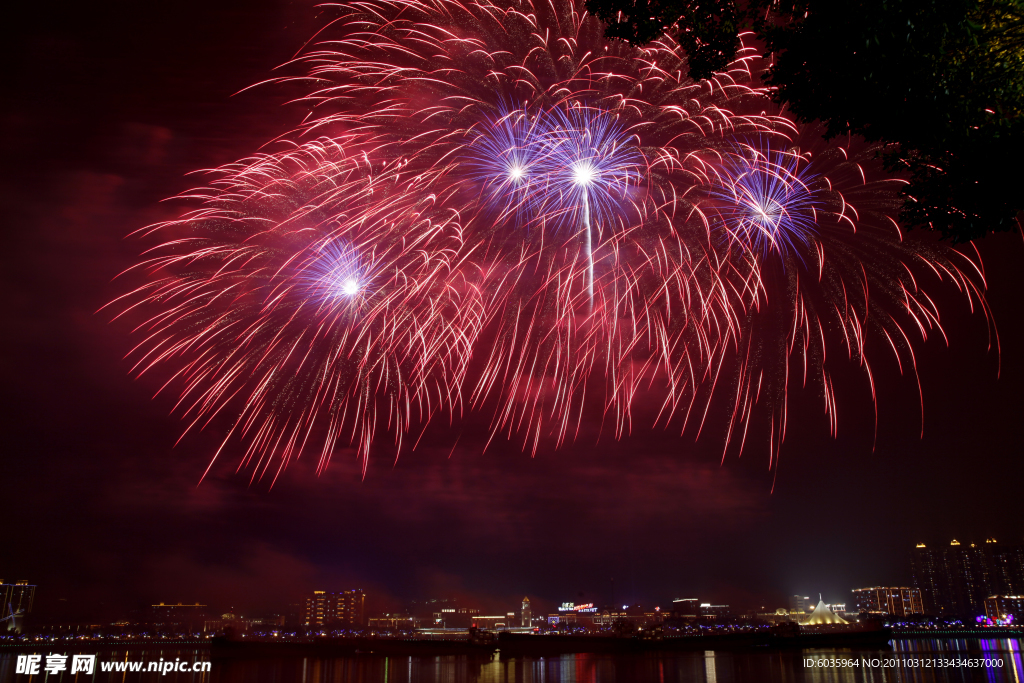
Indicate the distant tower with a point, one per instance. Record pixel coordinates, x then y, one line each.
526 614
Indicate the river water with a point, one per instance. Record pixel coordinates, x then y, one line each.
994 660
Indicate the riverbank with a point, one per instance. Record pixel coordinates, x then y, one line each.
511 644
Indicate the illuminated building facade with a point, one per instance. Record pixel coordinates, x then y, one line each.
686 608
999 607
342 609
709 611
897 601
526 615
495 622
956 579
15 604
455 617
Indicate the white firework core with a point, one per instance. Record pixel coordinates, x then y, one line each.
350 287
583 173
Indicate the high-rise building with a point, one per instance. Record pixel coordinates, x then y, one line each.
898 602
345 608
800 604
955 580
928 569
526 615
15 604
1006 564
972 578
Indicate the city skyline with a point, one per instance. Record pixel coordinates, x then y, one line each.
110 512
340 612
958 581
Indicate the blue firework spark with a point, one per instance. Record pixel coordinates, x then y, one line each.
554 165
333 273
594 165
505 157
768 200
574 169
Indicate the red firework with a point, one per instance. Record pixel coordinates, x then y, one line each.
493 209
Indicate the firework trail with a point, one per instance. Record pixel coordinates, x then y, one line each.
493 209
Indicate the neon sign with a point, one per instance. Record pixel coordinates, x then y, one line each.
573 607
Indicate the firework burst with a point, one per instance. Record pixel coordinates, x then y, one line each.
493 209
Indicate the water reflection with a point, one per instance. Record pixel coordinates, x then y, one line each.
989 660
709 666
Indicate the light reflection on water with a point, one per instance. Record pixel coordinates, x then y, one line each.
889 666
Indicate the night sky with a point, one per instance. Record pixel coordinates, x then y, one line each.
108 106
